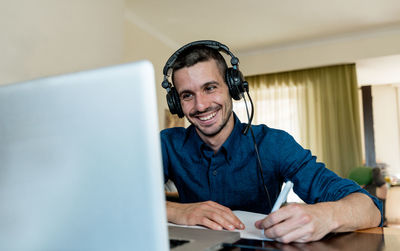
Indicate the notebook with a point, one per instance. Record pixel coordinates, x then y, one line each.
80 163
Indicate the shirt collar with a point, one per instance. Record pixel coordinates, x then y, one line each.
192 144
193 140
231 144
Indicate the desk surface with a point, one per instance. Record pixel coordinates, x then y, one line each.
385 239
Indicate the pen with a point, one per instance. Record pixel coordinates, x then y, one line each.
282 196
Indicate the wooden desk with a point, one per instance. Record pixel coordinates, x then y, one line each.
374 239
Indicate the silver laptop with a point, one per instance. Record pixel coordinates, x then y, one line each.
80 164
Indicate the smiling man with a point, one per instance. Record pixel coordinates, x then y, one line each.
206 101
216 170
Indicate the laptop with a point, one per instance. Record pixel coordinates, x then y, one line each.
80 165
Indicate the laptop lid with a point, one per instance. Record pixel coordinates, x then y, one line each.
80 164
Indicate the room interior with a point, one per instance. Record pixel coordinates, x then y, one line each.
43 38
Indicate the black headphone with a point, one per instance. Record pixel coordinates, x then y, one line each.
233 77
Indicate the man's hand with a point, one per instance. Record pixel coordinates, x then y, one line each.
298 223
305 223
209 214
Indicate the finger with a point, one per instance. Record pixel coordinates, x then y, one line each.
258 224
290 230
234 220
271 220
210 224
280 230
227 214
278 216
220 218
287 226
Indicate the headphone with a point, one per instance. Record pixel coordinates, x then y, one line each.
233 77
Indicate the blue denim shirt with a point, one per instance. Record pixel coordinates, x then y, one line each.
231 176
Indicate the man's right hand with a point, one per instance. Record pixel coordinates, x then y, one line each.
209 214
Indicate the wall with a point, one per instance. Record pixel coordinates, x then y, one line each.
45 37
347 48
141 43
386 126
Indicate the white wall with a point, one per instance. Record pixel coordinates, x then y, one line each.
141 43
46 37
385 100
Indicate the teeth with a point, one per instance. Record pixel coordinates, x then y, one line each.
212 115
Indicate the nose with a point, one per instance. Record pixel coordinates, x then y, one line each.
202 103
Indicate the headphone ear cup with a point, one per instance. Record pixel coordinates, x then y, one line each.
174 104
234 80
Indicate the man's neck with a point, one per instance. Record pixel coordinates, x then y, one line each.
216 141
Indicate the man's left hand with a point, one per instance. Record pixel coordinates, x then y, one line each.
298 223
305 223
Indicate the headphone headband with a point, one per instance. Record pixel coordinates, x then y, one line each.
209 43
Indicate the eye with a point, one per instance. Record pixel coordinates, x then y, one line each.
186 96
210 88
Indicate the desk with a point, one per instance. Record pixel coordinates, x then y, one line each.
374 239
393 204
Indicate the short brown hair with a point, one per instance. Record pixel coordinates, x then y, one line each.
196 54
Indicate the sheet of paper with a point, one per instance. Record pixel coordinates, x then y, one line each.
248 219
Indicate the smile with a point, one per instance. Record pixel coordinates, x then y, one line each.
208 117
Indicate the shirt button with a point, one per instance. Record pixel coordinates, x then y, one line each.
215 172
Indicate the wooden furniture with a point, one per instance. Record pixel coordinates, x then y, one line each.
374 239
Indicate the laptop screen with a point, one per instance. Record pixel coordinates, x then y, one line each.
80 162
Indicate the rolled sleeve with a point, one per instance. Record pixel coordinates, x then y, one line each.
313 182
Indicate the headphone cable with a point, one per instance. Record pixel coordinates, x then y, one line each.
248 126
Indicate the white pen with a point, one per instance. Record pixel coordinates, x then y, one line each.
282 196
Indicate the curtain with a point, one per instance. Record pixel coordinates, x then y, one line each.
172 120
318 107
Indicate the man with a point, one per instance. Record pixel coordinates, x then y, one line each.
214 165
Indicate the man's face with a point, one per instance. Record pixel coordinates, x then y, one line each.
204 97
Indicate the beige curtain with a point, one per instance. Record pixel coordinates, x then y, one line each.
319 107
172 120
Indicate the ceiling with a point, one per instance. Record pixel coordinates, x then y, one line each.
254 25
